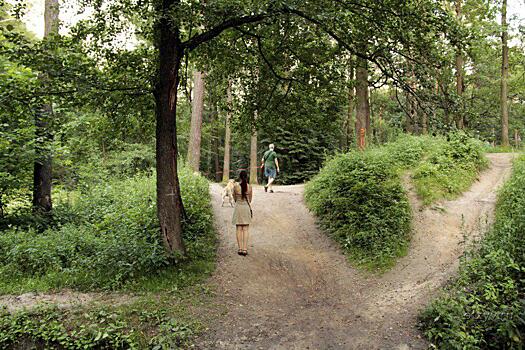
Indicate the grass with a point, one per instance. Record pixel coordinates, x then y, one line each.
108 239
502 149
154 321
104 237
449 168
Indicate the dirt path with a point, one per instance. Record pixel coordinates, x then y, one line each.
66 298
296 290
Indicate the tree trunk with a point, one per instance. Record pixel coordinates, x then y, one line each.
169 202
349 130
413 114
379 130
424 123
363 105
194 147
215 145
413 118
410 121
227 136
51 22
42 175
459 76
253 154
504 77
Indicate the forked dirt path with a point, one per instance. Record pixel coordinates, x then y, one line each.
295 290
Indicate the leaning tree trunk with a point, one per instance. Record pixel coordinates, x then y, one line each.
504 77
194 147
169 202
460 122
227 136
42 174
363 105
253 153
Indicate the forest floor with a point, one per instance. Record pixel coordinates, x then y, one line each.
296 290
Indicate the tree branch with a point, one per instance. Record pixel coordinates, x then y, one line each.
263 55
193 42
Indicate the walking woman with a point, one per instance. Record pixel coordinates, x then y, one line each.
242 214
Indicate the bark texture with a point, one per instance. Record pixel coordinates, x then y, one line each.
253 154
42 173
504 77
227 136
215 145
194 146
169 202
460 122
363 105
349 128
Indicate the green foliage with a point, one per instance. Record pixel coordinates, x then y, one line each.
359 199
301 150
407 151
450 168
106 237
16 129
483 308
500 149
133 159
46 328
135 326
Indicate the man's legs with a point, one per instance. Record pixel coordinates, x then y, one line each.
270 174
270 181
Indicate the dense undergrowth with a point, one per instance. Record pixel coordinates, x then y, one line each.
485 307
449 168
146 323
107 237
103 235
359 198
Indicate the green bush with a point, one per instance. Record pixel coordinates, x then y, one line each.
45 328
152 326
450 168
106 238
407 151
485 307
133 159
359 199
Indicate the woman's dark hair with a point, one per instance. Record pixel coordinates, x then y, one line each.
243 176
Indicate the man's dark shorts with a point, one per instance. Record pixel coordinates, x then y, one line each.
270 172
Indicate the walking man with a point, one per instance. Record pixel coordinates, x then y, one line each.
271 167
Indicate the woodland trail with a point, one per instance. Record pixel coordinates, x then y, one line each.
297 291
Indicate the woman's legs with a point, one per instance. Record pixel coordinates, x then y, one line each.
239 236
245 236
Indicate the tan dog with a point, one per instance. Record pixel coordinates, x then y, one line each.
227 192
